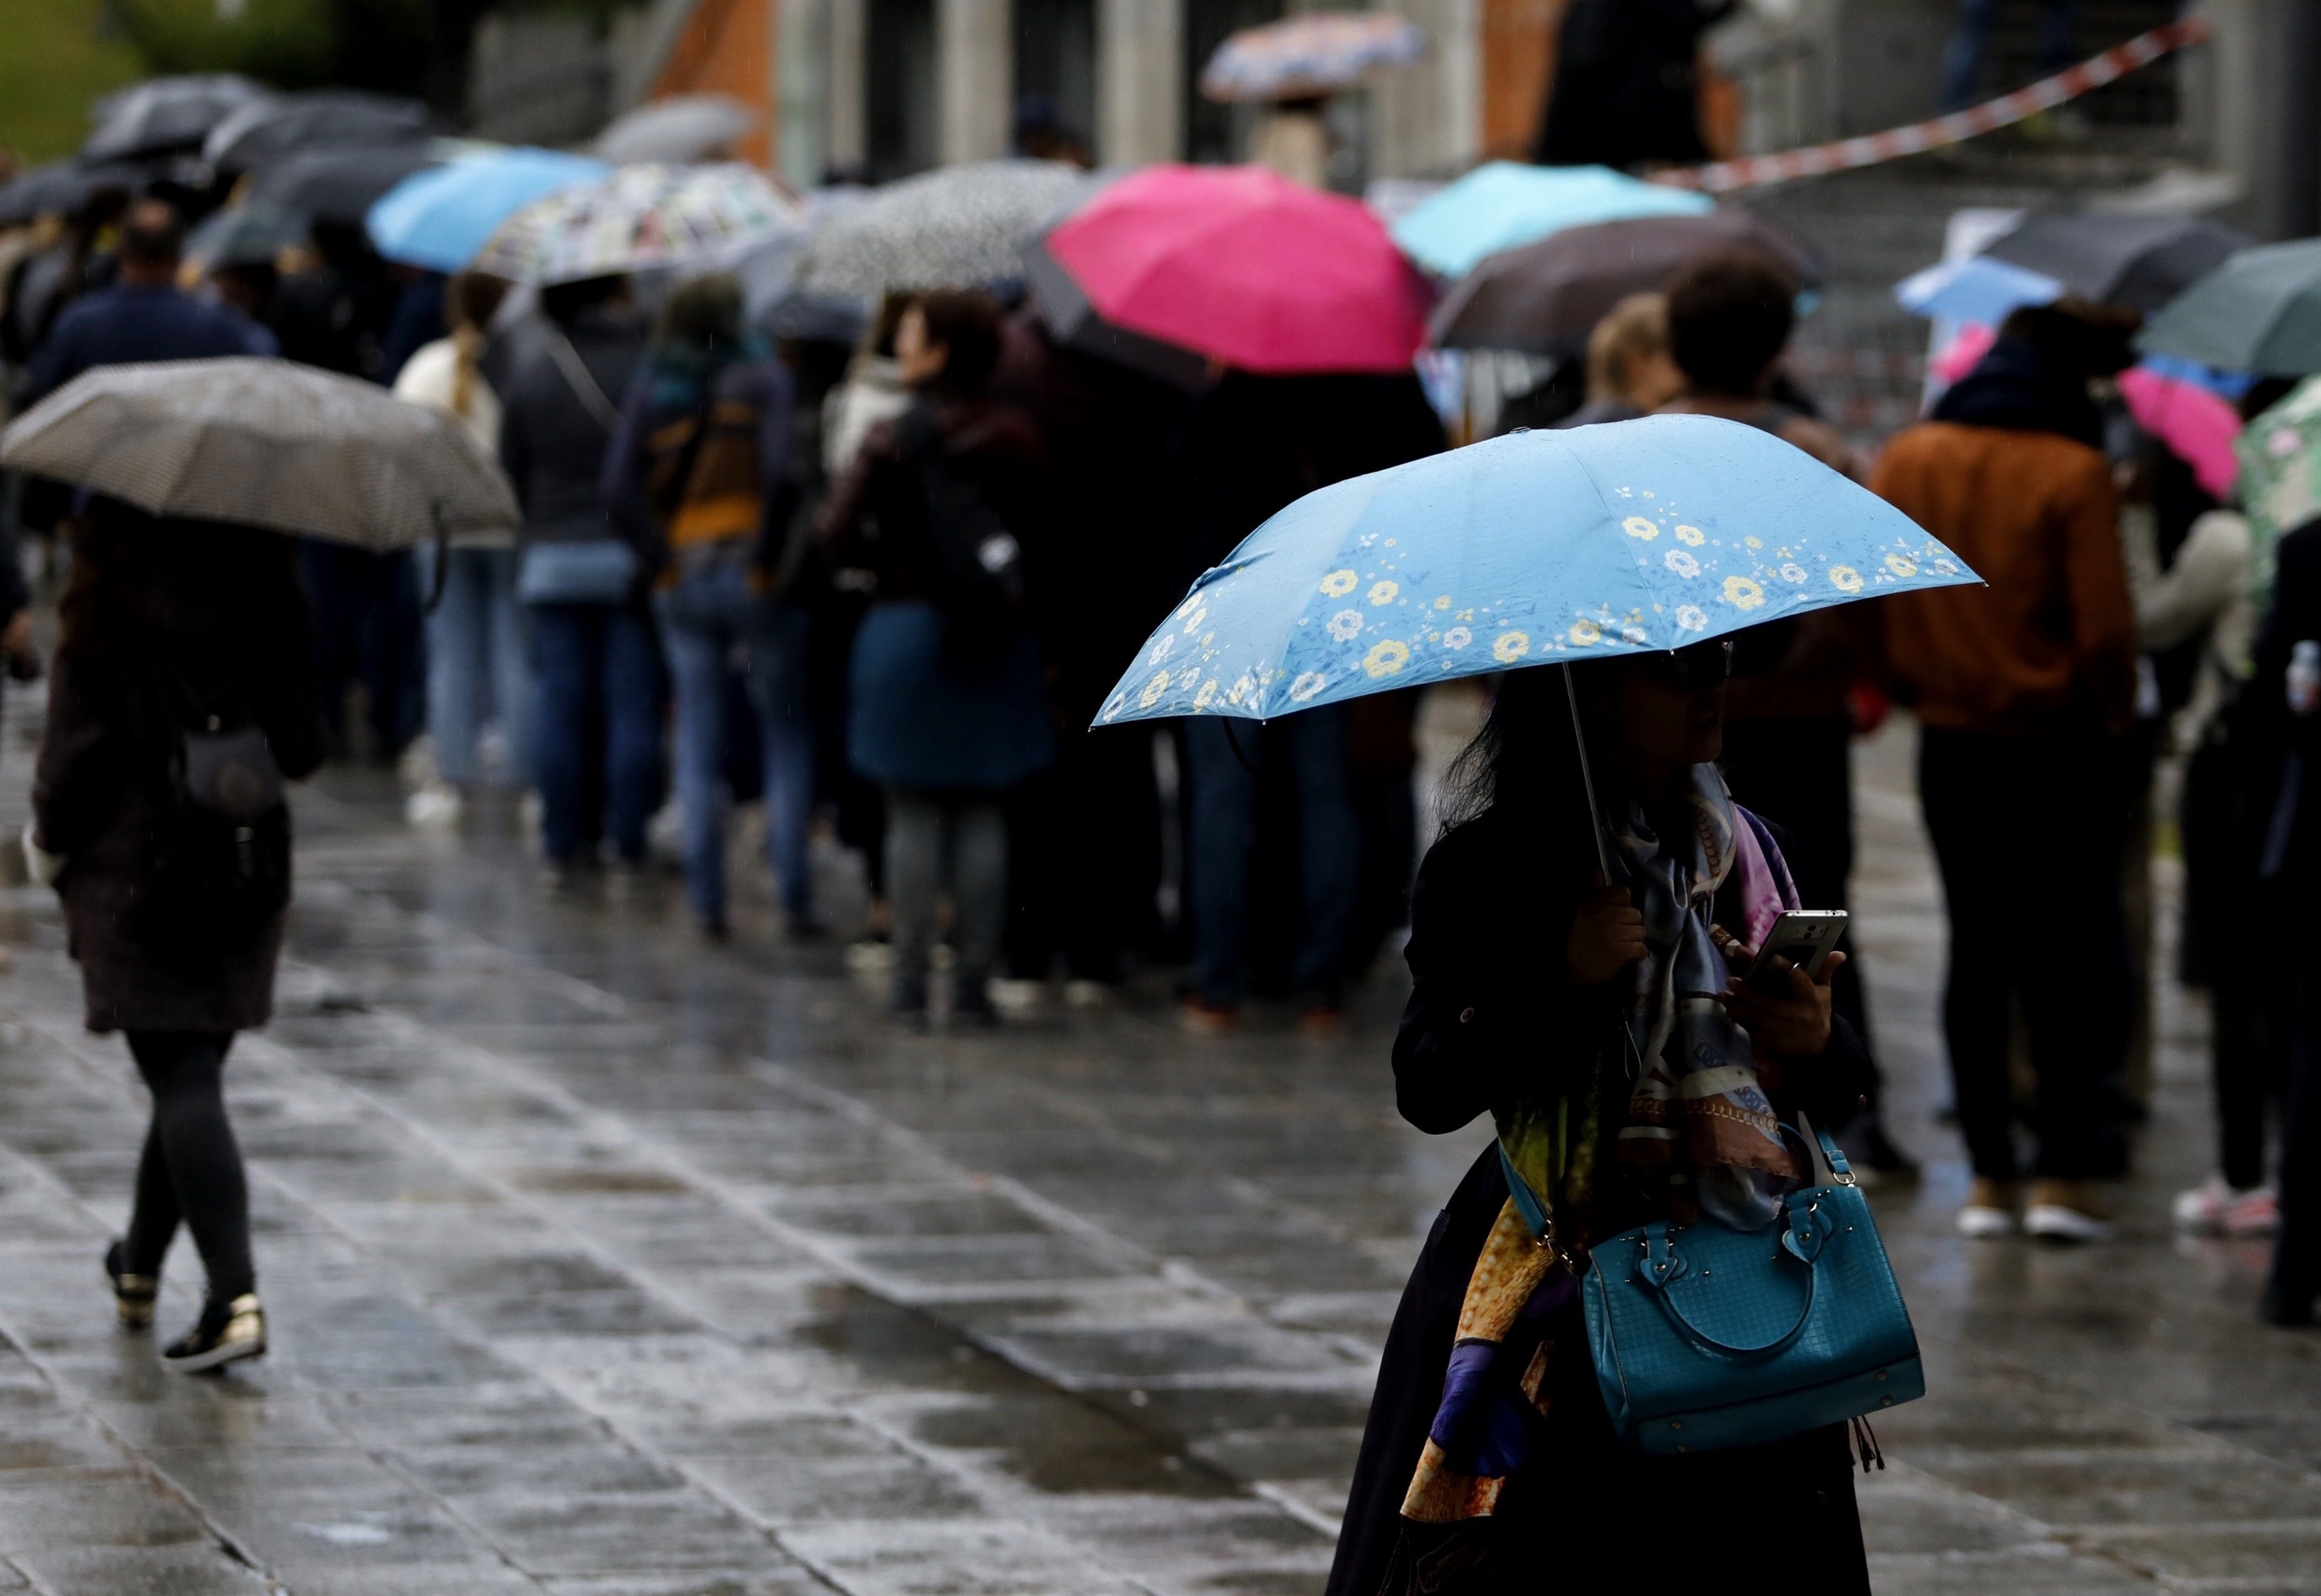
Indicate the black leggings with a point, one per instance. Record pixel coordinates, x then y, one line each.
191 1169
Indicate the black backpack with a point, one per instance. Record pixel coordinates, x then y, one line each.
978 570
221 861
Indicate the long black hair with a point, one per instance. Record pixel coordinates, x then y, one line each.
1525 759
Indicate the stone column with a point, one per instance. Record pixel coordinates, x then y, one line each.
975 75
801 74
1139 81
846 93
1427 119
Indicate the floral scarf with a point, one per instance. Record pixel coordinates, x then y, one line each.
1696 1112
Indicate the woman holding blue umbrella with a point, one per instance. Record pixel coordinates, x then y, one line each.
1575 941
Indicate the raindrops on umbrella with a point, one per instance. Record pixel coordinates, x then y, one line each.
961 227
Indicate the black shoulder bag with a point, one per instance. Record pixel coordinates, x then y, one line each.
976 573
221 865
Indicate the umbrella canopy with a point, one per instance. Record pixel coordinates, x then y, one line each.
165 113
265 131
768 271
2260 312
64 187
1247 267
957 227
680 128
2138 262
1536 548
1504 204
1317 53
338 187
637 217
1981 290
1072 320
261 441
2281 466
248 234
439 218
2194 424
1547 297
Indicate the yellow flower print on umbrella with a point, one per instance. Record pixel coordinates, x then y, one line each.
1338 583
1152 691
1387 658
1383 592
1691 537
1845 578
1901 565
1742 593
1641 526
1207 695
1585 632
1511 646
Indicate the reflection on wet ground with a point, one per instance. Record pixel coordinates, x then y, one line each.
600 1262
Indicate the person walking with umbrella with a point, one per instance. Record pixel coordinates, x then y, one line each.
182 697
698 475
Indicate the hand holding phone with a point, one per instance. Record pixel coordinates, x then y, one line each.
1803 938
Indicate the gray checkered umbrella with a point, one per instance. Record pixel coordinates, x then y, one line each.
265 442
959 227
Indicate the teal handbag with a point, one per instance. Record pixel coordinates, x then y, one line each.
1705 1337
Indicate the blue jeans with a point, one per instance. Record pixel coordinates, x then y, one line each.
1978 21
597 733
710 617
476 664
1225 828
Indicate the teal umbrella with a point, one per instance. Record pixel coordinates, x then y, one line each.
1536 547
1503 203
2260 311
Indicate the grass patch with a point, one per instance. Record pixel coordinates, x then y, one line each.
56 60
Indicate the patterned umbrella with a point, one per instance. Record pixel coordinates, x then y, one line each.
640 216
2281 467
1317 53
439 218
266 442
961 227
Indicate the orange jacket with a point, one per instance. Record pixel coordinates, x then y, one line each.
2049 645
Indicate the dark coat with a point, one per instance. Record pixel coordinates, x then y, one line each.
552 442
103 789
1490 918
120 326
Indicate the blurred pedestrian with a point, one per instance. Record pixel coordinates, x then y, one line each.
181 701
476 666
2023 690
1292 137
699 473
595 726
1626 88
1629 371
1529 1003
1256 443
144 315
947 709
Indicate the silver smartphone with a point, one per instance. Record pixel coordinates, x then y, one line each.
1804 936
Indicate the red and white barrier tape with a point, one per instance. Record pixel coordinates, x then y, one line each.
1845 154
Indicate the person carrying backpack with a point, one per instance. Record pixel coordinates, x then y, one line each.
697 472
948 708
183 698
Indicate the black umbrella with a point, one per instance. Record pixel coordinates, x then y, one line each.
1546 298
2121 258
266 131
64 187
165 113
1063 307
245 236
339 186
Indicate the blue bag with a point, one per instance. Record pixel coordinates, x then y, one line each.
593 571
1705 1337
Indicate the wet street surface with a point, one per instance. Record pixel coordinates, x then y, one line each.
604 1263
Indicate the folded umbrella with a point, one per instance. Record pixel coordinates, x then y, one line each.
165 113
1546 298
1247 269
1981 290
957 227
263 132
261 441
2193 423
679 128
2121 258
338 186
2260 312
1536 548
440 217
634 218
1503 203
1318 53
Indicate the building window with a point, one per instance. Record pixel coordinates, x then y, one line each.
1213 131
904 130
1055 79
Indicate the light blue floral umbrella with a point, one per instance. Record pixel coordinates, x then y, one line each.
1537 547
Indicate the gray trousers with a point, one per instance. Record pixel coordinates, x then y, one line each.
937 841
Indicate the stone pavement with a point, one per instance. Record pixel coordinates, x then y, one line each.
603 1264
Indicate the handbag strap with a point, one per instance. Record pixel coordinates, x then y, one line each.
582 380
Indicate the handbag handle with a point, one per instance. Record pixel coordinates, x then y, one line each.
1658 1234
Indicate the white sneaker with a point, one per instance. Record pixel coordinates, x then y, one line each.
1017 997
1983 1222
437 805
2065 1211
1082 993
2215 1207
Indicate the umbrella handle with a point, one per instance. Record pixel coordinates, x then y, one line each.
1234 743
1587 779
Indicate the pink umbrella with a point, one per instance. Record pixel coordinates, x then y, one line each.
1248 268
2196 425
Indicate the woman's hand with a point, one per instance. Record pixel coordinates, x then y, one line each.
1607 935
1788 1013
